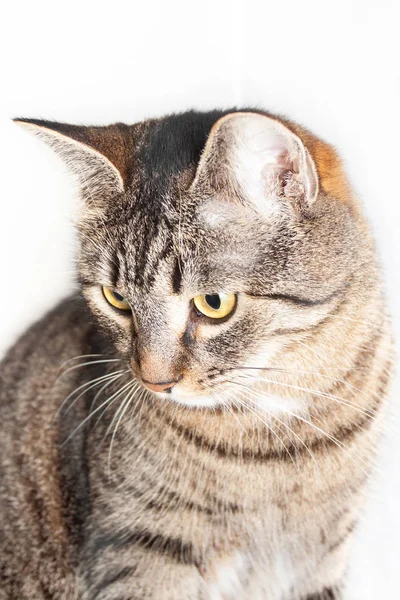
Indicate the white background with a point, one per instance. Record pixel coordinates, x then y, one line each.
332 66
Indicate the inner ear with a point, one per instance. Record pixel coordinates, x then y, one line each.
260 161
97 156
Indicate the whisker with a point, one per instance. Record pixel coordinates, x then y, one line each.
374 416
134 385
106 409
122 409
273 368
273 432
239 408
318 374
239 402
95 382
355 406
262 408
80 356
142 400
107 401
369 323
113 378
337 442
229 409
101 390
91 362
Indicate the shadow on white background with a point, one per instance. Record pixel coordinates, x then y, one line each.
331 66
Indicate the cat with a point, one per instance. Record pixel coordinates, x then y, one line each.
199 420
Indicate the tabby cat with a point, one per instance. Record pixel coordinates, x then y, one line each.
199 420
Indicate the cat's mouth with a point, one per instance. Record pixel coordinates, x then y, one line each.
182 393
161 386
180 389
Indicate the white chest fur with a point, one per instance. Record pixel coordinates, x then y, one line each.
239 577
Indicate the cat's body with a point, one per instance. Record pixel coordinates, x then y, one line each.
155 500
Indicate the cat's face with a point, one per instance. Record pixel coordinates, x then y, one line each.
203 269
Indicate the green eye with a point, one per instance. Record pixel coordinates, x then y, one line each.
215 306
115 299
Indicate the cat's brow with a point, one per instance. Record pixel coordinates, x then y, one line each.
299 300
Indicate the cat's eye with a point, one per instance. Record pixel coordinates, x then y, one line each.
115 299
215 306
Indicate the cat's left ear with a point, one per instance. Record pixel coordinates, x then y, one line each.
257 160
97 156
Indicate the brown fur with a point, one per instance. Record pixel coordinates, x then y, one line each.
330 169
173 501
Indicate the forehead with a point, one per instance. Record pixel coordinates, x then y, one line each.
168 147
168 238
165 157
194 252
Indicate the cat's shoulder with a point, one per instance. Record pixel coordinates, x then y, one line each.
63 332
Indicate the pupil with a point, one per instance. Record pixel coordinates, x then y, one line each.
214 301
118 297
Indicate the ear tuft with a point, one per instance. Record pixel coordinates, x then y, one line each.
97 156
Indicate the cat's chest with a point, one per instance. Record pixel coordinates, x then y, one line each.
236 538
232 527
253 575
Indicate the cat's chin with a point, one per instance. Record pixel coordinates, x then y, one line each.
268 404
193 401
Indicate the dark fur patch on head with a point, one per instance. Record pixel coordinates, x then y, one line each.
173 144
177 276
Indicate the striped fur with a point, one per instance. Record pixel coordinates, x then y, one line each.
247 480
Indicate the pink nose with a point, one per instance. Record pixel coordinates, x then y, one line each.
161 386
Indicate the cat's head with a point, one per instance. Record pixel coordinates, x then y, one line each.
210 243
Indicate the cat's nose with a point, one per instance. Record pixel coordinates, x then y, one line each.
161 386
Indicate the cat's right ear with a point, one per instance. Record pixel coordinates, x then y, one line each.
97 156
